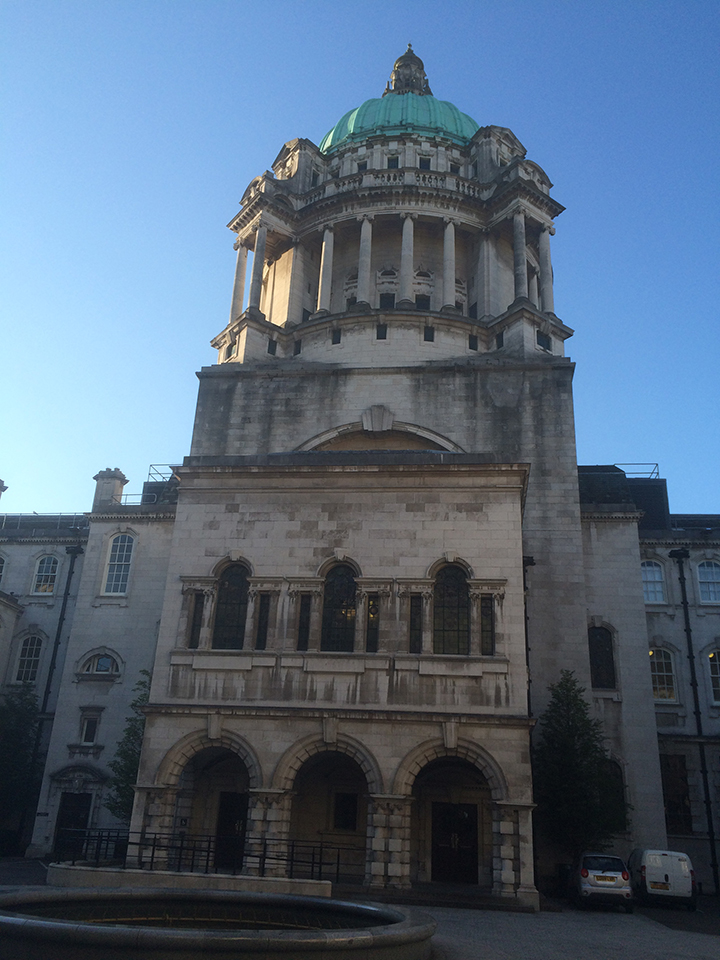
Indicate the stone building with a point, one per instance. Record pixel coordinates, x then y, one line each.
380 554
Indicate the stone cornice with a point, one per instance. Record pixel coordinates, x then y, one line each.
115 517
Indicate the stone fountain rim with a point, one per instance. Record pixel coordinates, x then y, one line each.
411 926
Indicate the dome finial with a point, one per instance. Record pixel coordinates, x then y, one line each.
408 75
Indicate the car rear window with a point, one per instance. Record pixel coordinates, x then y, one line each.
611 864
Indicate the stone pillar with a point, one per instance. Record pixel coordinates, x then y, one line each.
297 283
547 300
513 873
268 828
364 260
326 268
482 280
449 265
388 849
519 255
427 625
406 260
236 307
256 276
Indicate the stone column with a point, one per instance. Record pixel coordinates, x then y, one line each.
326 268
406 260
513 871
519 255
482 280
449 265
297 283
388 861
547 300
364 259
256 276
236 307
427 625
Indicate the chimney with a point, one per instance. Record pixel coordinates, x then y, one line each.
108 487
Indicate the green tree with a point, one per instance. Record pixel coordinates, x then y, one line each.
20 763
580 802
126 761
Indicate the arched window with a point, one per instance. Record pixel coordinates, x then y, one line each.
45 575
339 607
709 581
118 568
29 661
714 664
602 661
653 581
231 608
451 612
662 673
101 664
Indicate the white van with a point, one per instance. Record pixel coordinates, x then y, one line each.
662 876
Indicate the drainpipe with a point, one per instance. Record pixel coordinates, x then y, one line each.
527 562
681 555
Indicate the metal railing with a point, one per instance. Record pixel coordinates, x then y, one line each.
204 853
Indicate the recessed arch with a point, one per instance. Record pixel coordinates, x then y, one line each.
294 758
170 768
327 565
420 437
415 761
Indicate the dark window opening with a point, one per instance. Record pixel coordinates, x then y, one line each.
454 168
424 163
372 627
381 331
451 612
315 178
198 605
304 621
676 793
602 662
336 336
543 340
416 613
306 315
422 302
472 341
229 350
472 311
474 169
393 163
338 623
487 626
362 166
499 340
429 334
263 621
350 302
297 347
345 811
272 347
89 728
459 305
231 610
387 301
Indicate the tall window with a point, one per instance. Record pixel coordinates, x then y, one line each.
45 575
451 612
338 623
714 664
29 661
676 793
602 661
662 673
231 609
118 570
709 581
653 582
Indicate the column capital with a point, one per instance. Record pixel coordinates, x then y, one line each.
366 216
449 220
407 215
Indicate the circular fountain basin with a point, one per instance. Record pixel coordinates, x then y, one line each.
45 924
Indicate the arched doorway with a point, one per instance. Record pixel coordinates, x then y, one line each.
213 803
329 808
452 824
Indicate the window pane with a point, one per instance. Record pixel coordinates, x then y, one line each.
653 582
29 660
709 578
119 565
676 793
372 629
714 661
231 609
416 623
304 621
198 605
263 621
451 612
661 670
46 575
338 627
602 663
487 626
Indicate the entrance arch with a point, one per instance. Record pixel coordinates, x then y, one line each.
212 802
451 825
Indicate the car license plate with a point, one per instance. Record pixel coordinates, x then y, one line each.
605 879
655 885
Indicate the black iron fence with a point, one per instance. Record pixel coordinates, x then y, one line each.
203 853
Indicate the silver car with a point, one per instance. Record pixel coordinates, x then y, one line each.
602 878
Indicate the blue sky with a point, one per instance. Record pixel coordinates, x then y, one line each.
132 128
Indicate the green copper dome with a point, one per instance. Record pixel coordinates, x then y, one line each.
407 106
